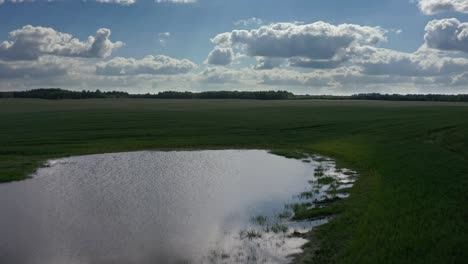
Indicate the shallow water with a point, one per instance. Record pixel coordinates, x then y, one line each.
153 207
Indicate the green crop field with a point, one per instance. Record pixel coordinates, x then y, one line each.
410 204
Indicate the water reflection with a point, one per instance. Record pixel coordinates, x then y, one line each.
152 207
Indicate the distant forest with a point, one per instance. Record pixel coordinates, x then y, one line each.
58 94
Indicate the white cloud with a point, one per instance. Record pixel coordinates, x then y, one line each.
152 65
379 61
247 22
46 66
219 75
313 58
431 7
318 64
30 43
447 34
220 56
316 45
319 40
267 63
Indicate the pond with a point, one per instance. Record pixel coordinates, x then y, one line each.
223 206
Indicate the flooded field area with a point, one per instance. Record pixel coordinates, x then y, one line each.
223 206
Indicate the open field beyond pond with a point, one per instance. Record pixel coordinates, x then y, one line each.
408 206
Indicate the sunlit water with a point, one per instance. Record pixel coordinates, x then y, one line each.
155 207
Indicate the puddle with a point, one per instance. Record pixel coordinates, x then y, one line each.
224 206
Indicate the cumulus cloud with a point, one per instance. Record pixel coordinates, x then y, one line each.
431 7
30 43
316 45
315 58
319 40
220 56
369 69
153 65
447 34
340 57
379 61
267 63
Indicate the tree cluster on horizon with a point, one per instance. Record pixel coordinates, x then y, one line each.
58 94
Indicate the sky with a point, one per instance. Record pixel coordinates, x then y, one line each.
303 46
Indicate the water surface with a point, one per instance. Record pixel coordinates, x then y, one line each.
152 207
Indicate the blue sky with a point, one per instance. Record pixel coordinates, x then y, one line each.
183 32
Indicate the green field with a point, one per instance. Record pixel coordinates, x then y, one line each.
410 204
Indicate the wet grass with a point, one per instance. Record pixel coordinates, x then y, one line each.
291 154
260 220
327 201
319 171
250 234
317 213
326 180
407 206
340 191
279 228
307 195
299 208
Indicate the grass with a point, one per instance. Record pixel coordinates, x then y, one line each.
325 180
250 234
279 228
319 172
319 212
409 204
340 191
260 220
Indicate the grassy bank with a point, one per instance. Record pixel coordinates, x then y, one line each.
409 205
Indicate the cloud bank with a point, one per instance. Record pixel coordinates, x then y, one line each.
30 43
153 65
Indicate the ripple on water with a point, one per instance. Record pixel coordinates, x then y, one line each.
160 207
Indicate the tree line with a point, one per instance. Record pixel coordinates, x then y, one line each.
412 97
58 94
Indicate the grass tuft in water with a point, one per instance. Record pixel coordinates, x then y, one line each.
319 171
279 228
250 234
260 220
326 180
